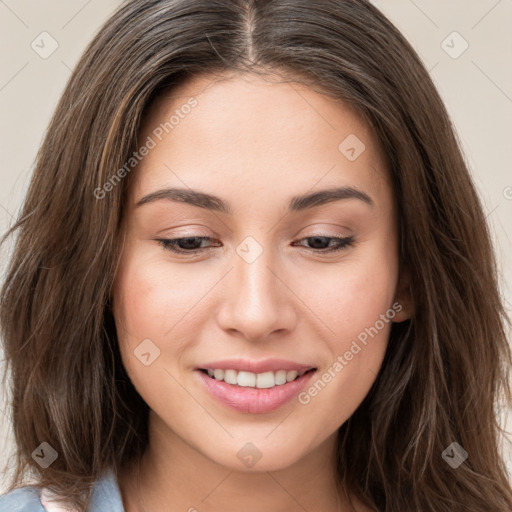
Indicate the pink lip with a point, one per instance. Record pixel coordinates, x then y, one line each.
253 400
267 365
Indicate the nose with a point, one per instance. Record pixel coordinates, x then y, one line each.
257 300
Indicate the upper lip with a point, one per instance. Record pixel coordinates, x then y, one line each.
262 366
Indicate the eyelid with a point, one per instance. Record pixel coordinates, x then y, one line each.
170 244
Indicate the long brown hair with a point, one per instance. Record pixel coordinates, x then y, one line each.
445 370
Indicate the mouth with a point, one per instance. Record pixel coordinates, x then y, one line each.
265 380
254 387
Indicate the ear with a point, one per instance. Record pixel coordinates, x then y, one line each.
403 303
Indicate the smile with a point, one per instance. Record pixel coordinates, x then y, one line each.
254 387
264 380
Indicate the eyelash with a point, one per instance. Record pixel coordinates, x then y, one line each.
170 244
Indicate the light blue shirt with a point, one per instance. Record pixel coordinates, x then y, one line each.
105 497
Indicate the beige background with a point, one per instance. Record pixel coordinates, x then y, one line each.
476 86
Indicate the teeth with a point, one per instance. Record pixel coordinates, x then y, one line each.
291 375
280 377
230 377
265 380
255 380
246 379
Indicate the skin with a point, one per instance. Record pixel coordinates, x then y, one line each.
254 143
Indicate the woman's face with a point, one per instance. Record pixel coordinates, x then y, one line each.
288 266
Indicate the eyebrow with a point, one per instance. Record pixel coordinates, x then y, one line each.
214 203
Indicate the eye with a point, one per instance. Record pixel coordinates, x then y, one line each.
195 244
323 244
185 245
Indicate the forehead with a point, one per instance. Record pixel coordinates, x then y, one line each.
237 132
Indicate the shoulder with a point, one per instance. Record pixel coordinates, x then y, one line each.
24 499
105 496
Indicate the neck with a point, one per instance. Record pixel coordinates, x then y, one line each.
173 476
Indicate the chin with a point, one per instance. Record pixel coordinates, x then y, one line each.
258 455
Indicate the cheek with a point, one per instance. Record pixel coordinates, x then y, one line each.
355 303
155 300
352 297
148 305
152 298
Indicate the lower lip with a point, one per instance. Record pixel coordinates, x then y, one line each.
254 400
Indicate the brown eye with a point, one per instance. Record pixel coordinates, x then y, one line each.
327 244
185 245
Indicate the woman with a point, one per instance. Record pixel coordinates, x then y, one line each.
252 272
